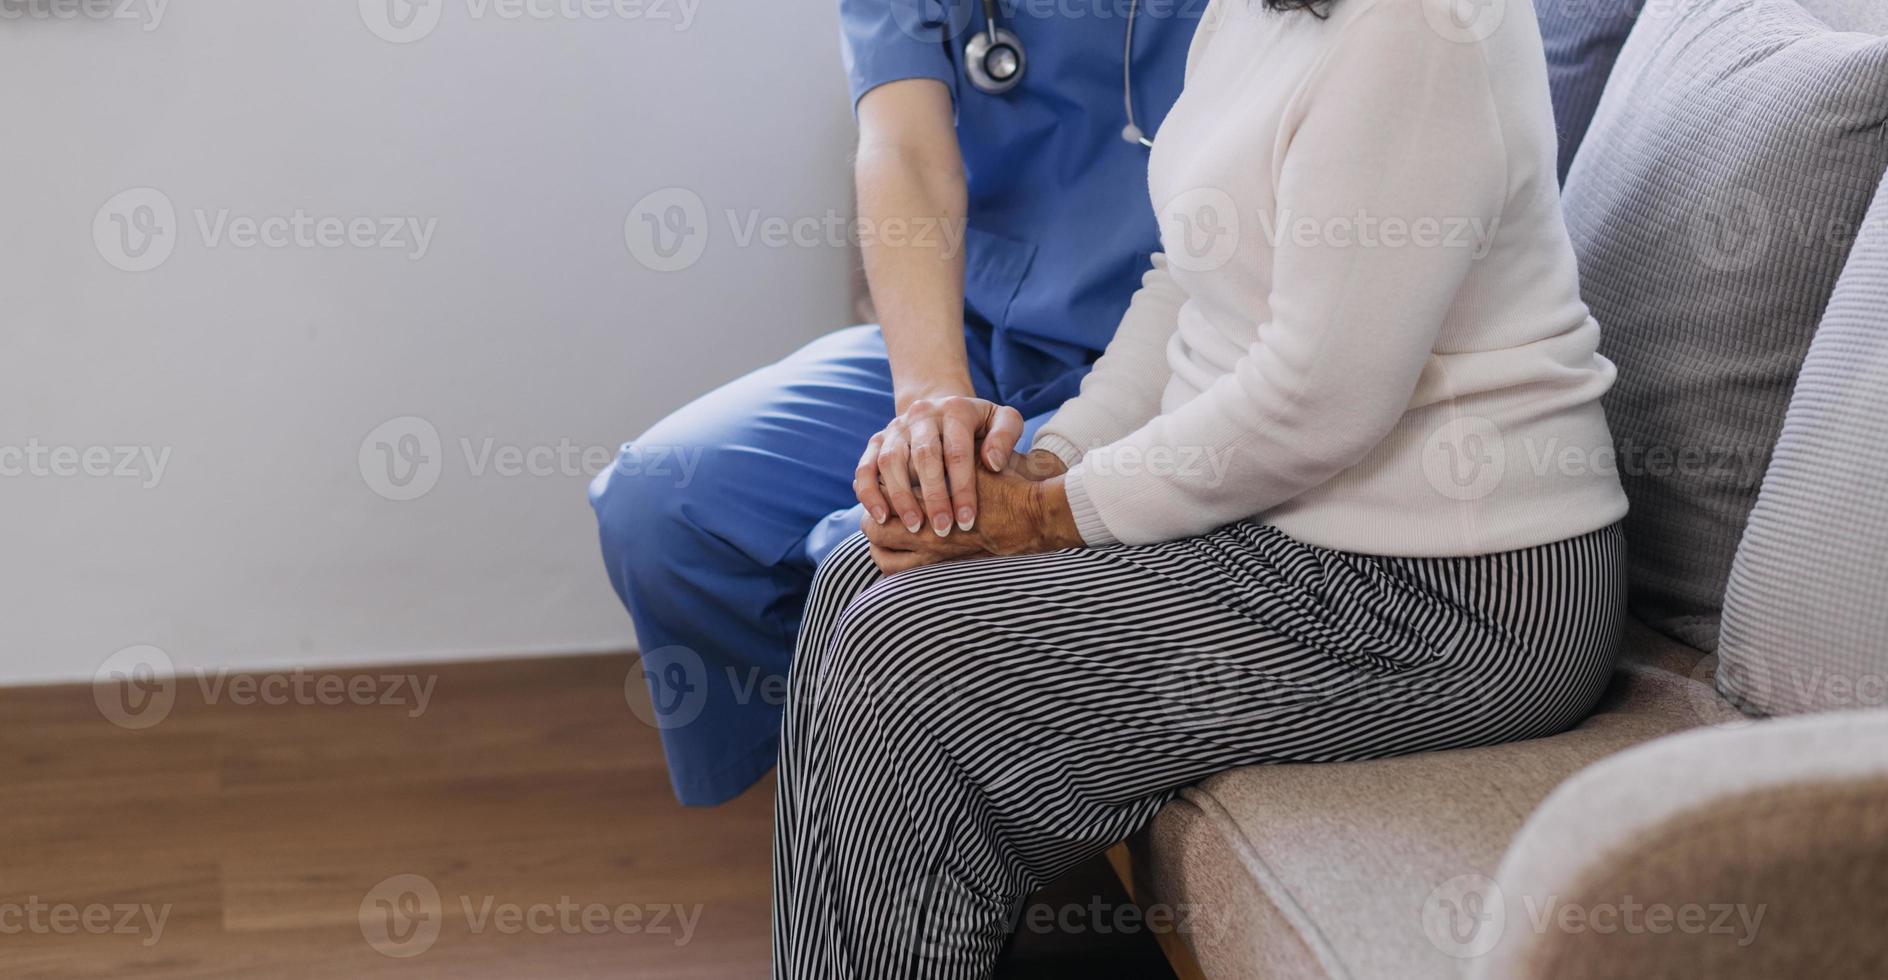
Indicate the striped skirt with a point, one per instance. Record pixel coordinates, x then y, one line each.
960 734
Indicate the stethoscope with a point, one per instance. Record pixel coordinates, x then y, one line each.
994 60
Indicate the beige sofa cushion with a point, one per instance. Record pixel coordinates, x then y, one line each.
1352 869
1755 852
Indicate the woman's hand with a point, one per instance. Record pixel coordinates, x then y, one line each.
939 441
1020 516
1039 465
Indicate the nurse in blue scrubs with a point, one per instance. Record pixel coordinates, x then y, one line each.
1019 122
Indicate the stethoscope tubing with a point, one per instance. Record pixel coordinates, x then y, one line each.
993 36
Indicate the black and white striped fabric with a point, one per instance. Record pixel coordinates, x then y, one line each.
960 734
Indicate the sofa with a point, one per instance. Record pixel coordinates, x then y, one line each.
1723 813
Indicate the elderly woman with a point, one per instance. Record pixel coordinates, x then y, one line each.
1330 494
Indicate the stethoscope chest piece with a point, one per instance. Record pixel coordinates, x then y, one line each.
994 60
994 63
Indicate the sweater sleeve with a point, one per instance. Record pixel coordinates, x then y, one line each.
1123 390
1393 140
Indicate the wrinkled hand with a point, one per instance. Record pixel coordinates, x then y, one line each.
1020 516
934 443
1039 465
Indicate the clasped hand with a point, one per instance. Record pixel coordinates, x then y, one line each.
980 498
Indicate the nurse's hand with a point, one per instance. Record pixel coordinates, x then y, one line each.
924 466
1020 517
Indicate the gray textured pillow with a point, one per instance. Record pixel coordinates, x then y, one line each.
1806 614
1851 15
1713 205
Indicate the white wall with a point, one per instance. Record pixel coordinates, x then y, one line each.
260 370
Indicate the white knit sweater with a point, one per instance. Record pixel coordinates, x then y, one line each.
1366 326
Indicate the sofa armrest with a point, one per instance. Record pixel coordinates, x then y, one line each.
1759 850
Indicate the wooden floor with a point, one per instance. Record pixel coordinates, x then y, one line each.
267 839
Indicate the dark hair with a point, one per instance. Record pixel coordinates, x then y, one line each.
1315 6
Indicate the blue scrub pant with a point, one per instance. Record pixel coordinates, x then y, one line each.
713 522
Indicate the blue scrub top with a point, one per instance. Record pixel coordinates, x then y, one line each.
1060 225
